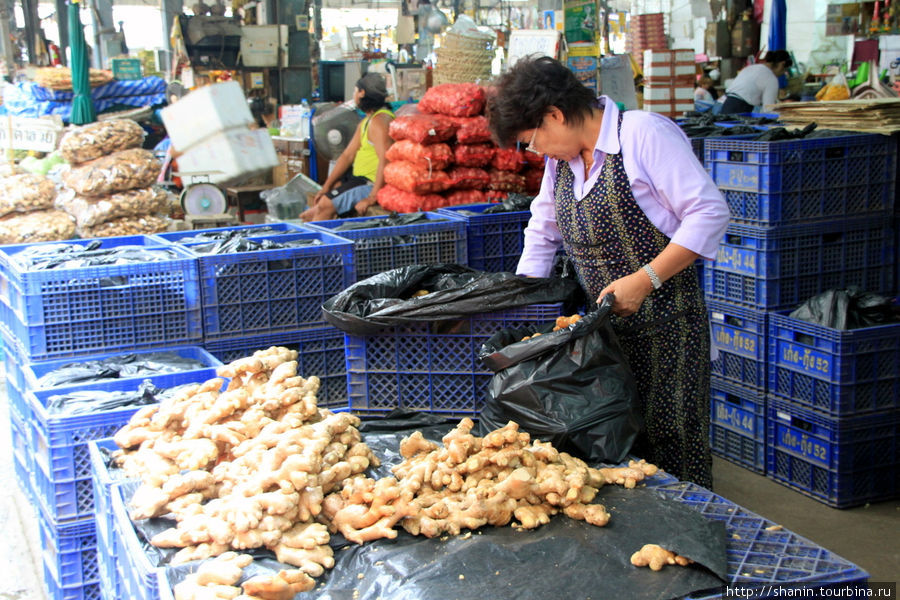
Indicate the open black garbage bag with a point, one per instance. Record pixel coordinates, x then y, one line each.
87 401
92 254
393 220
571 387
850 308
563 559
455 292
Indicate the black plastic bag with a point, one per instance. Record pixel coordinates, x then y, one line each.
850 308
571 387
83 402
92 254
394 220
513 202
118 367
454 292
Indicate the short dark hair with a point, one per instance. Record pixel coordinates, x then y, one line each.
773 57
374 86
522 96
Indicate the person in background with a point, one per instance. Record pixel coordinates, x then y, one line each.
349 192
704 94
757 85
633 208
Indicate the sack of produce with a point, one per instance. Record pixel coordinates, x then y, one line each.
472 130
132 203
571 386
533 179
413 178
464 197
535 160
506 181
397 200
421 128
126 226
435 156
455 292
118 172
467 178
473 155
453 99
38 226
99 139
60 78
508 159
26 192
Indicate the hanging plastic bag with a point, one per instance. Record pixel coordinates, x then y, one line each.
454 292
571 387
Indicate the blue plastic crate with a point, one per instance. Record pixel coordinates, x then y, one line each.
780 268
835 372
102 480
62 464
839 461
739 333
140 578
251 231
23 461
90 591
494 240
737 425
270 291
431 367
110 583
380 249
32 372
758 556
72 312
70 552
321 353
780 183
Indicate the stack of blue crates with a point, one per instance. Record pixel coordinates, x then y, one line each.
53 317
807 215
252 300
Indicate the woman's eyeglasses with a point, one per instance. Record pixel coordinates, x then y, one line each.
530 147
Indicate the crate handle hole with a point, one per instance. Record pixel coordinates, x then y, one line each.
804 338
835 152
735 156
733 239
734 321
732 399
832 238
801 424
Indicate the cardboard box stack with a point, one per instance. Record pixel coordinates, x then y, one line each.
669 81
648 32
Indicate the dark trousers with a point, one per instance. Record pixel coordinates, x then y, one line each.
733 104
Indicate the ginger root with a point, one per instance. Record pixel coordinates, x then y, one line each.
657 557
214 579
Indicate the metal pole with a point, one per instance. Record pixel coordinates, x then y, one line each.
62 25
29 11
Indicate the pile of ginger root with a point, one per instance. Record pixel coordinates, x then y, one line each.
258 465
561 323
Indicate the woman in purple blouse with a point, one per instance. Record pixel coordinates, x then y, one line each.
625 196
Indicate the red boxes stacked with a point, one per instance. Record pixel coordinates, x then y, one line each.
648 32
669 81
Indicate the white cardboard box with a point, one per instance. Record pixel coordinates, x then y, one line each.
658 57
663 71
231 156
684 55
684 70
658 93
205 112
683 93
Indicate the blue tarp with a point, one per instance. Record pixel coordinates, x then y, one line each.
27 99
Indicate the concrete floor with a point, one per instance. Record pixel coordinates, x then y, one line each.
866 536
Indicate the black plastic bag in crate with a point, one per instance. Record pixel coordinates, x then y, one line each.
571 387
850 308
454 292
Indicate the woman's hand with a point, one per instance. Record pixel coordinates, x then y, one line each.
319 195
363 205
630 292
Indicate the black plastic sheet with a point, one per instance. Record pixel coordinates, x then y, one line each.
571 387
216 235
239 243
849 308
513 202
82 402
92 254
394 220
563 559
455 292
118 367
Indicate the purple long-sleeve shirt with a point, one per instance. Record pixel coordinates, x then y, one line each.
668 182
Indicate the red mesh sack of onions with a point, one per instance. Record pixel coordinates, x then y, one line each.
464 197
410 177
472 130
467 178
473 155
506 181
396 200
422 129
508 159
533 178
437 156
453 99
